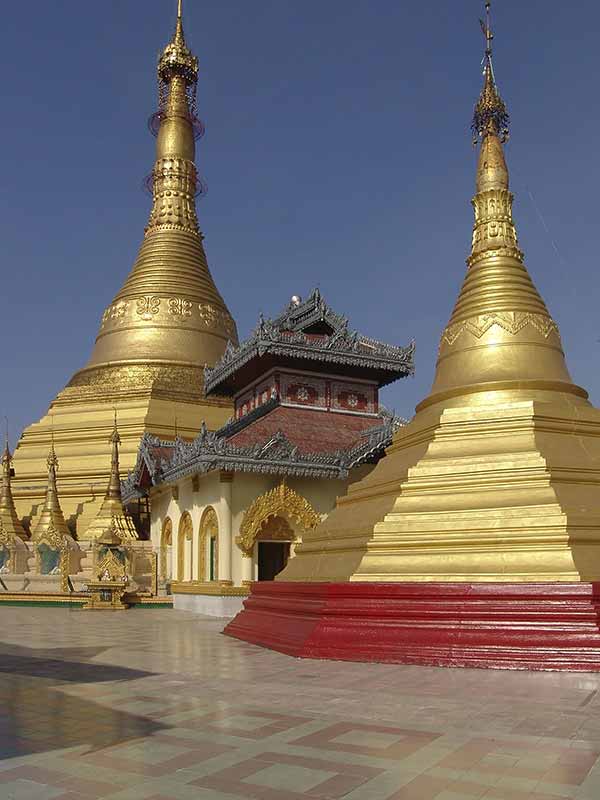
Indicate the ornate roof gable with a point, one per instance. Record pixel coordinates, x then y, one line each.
311 330
154 456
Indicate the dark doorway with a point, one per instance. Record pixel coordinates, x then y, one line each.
272 558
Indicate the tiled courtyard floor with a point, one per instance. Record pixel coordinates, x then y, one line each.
157 705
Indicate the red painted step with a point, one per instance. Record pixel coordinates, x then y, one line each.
544 626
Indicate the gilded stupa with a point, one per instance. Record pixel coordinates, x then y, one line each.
8 513
166 323
51 521
112 513
497 477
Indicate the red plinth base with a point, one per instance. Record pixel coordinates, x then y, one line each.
549 626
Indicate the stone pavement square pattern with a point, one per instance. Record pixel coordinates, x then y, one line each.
99 706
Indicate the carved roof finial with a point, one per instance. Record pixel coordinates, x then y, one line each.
491 116
177 59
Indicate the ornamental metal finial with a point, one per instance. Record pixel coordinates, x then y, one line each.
114 437
491 116
52 460
177 59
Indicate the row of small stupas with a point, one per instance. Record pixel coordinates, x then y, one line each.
47 559
303 390
307 422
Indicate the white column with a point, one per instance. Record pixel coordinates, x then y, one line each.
188 570
225 527
247 567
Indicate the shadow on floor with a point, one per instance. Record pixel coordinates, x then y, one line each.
36 716
63 665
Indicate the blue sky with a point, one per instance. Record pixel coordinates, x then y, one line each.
337 154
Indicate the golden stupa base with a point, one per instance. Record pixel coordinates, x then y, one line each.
81 420
493 488
474 543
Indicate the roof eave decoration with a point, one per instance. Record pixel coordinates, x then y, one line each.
277 456
131 486
285 336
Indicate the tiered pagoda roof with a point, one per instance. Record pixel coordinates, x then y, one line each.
281 428
306 332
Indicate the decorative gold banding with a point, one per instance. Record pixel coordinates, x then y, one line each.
213 589
510 321
167 310
502 386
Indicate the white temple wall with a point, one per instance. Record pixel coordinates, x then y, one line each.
230 497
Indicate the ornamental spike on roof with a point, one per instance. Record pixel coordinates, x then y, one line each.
311 331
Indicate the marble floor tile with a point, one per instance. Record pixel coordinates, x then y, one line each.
158 705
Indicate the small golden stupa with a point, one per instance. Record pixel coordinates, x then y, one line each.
165 324
497 477
51 521
8 513
112 514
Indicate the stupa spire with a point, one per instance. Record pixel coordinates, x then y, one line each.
51 519
500 331
179 37
112 511
8 513
169 319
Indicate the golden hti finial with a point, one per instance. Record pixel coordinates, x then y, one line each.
114 486
52 460
177 60
491 116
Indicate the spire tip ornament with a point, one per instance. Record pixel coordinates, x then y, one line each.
491 116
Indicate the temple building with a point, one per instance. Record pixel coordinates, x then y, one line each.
476 540
230 507
163 326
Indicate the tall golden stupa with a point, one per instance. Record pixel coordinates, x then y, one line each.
476 541
497 477
165 324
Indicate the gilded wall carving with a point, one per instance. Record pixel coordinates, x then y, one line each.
281 501
156 309
275 529
179 306
147 307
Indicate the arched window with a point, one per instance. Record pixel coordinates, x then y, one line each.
166 543
208 548
184 535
